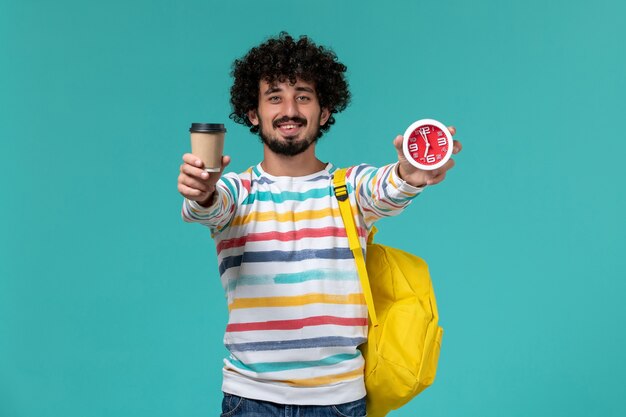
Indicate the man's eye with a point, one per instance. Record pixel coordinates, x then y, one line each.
304 98
274 99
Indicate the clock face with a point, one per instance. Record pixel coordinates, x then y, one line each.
427 144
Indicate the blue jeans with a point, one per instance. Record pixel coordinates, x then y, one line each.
234 406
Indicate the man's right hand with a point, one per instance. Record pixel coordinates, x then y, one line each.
194 183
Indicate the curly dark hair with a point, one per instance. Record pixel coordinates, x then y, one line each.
284 58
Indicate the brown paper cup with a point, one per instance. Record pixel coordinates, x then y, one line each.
207 143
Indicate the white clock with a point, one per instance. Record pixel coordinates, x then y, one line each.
427 144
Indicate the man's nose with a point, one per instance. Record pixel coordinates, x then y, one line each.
290 108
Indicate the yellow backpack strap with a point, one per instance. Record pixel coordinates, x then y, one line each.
341 192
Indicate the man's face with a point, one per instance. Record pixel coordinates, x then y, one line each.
289 116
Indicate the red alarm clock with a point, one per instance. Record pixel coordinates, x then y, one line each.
427 144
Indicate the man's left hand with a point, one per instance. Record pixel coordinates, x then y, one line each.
418 177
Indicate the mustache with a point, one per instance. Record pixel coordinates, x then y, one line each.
286 119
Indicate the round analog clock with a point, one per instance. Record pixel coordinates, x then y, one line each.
427 144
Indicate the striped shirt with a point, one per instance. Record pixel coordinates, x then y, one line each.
296 310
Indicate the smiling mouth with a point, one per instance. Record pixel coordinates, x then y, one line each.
290 128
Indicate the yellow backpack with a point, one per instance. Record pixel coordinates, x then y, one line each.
404 337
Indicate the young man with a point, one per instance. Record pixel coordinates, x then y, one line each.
296 309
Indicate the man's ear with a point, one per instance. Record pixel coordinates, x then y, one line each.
253 117
324 116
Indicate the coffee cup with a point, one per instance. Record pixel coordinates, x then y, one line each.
207 143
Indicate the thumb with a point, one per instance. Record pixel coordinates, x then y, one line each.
215 176
225 161
397 143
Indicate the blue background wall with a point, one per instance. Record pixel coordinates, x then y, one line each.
111 306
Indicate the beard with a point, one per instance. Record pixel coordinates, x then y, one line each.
291 146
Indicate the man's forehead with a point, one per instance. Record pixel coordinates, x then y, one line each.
277 84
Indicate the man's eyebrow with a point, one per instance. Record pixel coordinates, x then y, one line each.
273 89
306 89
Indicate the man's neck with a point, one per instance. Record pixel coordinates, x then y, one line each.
305 163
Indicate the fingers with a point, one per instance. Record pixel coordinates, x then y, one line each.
191 193
195 167
215 176
193 160
194 171
437 179
194 182
448 165
456 147
438 175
